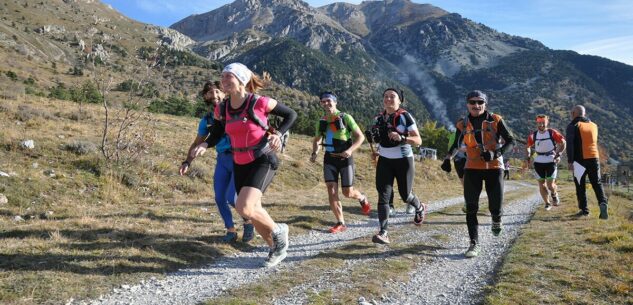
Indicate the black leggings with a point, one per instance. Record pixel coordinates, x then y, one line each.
403 170
473 180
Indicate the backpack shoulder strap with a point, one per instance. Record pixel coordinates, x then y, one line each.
252 101
551 136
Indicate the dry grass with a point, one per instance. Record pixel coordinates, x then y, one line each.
560 259
119 225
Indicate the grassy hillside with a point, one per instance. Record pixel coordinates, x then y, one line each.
85 228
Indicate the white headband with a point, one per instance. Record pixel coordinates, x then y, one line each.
240 71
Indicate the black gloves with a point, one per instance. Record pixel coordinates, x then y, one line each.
446 165
490 155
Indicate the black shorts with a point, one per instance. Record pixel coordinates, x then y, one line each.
459 166
257 174
545 171
333 167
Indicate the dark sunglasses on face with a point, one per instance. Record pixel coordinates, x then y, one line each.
471 102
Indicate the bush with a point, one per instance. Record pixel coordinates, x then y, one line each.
87 92
127 86
173 105
198 172
26 113
130 180
12 75
81 147
60 92
92 164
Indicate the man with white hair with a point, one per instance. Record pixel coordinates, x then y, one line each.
582 149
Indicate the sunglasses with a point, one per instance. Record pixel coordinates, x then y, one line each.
471 102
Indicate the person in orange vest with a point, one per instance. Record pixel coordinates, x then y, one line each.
582 149
482 133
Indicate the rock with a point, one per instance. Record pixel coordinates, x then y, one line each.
28 144
18 218
126 287
49 172
3 199
3 174
46 215
35 165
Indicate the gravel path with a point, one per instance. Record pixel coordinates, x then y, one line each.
191 286
447 277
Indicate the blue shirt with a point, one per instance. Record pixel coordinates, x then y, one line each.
224 145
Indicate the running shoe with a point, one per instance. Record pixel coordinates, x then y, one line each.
496 228
420 214
392 211
582 213
339 227
230 237
381 238
280 244
473 250
464 208
548 206
249 232
365 206
410 209
555 200
604 213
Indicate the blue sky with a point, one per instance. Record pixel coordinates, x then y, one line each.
603 28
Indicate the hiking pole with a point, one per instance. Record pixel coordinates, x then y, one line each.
373 155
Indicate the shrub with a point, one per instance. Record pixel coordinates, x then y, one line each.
172 105
26 113
81 147
12 75
196 171
60 92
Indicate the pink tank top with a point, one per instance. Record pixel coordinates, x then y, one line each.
246 133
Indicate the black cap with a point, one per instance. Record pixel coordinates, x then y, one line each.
400 93
477 94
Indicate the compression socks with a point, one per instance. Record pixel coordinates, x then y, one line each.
414 201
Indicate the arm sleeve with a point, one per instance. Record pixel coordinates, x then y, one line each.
530 140
287 114
507 136
216 133
570 136
558 137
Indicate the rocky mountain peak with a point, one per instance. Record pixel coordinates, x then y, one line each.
257 4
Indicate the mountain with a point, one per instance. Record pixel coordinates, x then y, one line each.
53 43
435 55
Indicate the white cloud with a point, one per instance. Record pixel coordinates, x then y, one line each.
616 48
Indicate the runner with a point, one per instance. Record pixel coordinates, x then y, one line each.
395 131
244 117
548 144
223 185
338 133
481 132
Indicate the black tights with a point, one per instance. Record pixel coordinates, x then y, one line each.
473 182
403 170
